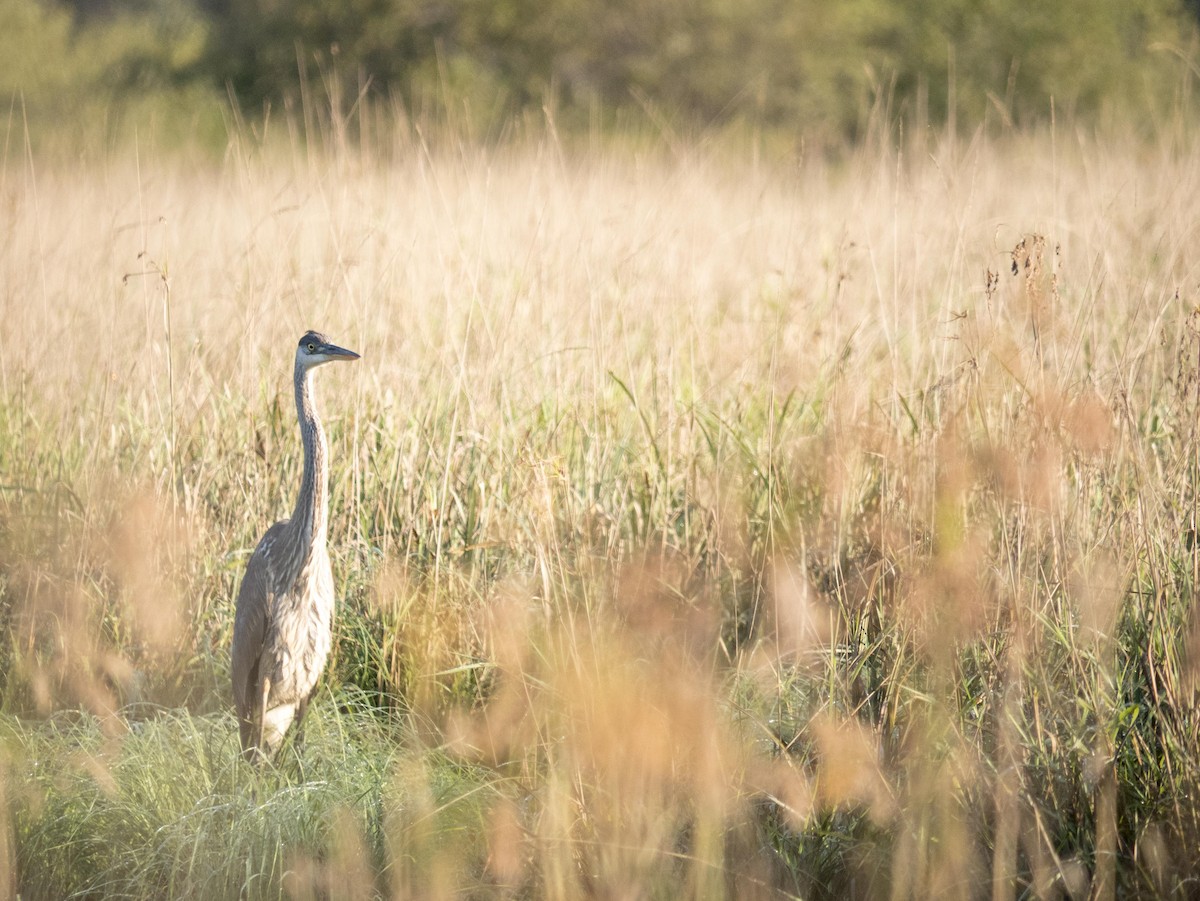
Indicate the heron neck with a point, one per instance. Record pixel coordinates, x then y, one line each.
311 506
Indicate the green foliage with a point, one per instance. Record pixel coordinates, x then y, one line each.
810 64
818 67
968 59
71 85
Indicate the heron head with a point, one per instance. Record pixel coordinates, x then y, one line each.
315 349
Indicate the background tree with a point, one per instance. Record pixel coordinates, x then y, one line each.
805 64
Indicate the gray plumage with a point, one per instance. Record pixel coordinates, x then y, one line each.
283 625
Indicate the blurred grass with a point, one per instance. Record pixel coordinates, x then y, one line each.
707 520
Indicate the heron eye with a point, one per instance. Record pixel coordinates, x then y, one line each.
311 347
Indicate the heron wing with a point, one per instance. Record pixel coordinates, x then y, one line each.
250 618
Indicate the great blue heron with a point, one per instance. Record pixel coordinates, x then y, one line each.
282 627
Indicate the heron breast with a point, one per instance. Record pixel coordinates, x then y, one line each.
300 635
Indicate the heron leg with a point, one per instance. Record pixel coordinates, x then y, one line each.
297 736
298 723
245 727
256 753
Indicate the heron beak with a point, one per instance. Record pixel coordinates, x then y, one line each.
338 353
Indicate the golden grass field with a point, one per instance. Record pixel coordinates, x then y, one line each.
710 518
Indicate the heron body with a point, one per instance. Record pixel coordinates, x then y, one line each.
282 627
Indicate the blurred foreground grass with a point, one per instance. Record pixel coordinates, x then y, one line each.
707 520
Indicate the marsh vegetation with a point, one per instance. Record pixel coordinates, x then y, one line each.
709 517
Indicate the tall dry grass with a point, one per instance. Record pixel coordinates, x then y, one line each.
709 519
